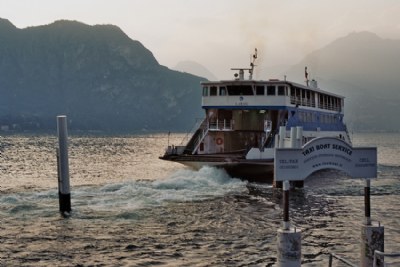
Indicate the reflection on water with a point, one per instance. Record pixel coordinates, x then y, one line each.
129 208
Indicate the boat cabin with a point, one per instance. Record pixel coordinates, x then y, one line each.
258 108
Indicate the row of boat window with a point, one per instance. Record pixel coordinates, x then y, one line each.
321 118
298 96
304 97
234 90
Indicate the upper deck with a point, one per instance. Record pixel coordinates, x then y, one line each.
271 94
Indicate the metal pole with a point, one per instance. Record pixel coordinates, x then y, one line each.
288 239
367 201
372 235
63 165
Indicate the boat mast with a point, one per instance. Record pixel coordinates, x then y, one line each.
252 64
251 69
306 75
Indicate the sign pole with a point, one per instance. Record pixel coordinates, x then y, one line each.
289 238
372 234
367 201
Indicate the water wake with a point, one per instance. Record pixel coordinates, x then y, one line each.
124 199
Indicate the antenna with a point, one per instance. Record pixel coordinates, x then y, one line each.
252 65
251 69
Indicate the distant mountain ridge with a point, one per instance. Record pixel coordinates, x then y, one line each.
360 66
96 75
195 68
365 69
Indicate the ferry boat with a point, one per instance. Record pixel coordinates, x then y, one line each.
246 119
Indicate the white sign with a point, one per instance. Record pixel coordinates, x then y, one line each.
297 164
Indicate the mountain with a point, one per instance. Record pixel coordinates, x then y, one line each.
196 69
103 80
96 75
365 69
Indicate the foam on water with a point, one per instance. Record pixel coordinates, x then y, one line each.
121 199
181 186
205 183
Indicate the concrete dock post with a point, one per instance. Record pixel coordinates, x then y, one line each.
285 198
289 238
64 194
372 234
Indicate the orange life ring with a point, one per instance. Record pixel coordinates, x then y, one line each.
219 141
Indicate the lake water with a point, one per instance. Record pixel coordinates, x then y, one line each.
132 209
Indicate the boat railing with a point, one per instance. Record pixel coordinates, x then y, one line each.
302 101
198 124
222 125
307 102
203 133
269 142
333 255
379 256
310 102
329 106
174 150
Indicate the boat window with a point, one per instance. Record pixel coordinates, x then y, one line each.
205 91
312 99
271 90
301 116
201 148
298 93
321 100
281 90
260 90
222 90
213 90
240 90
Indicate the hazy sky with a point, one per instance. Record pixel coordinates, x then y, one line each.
220 34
